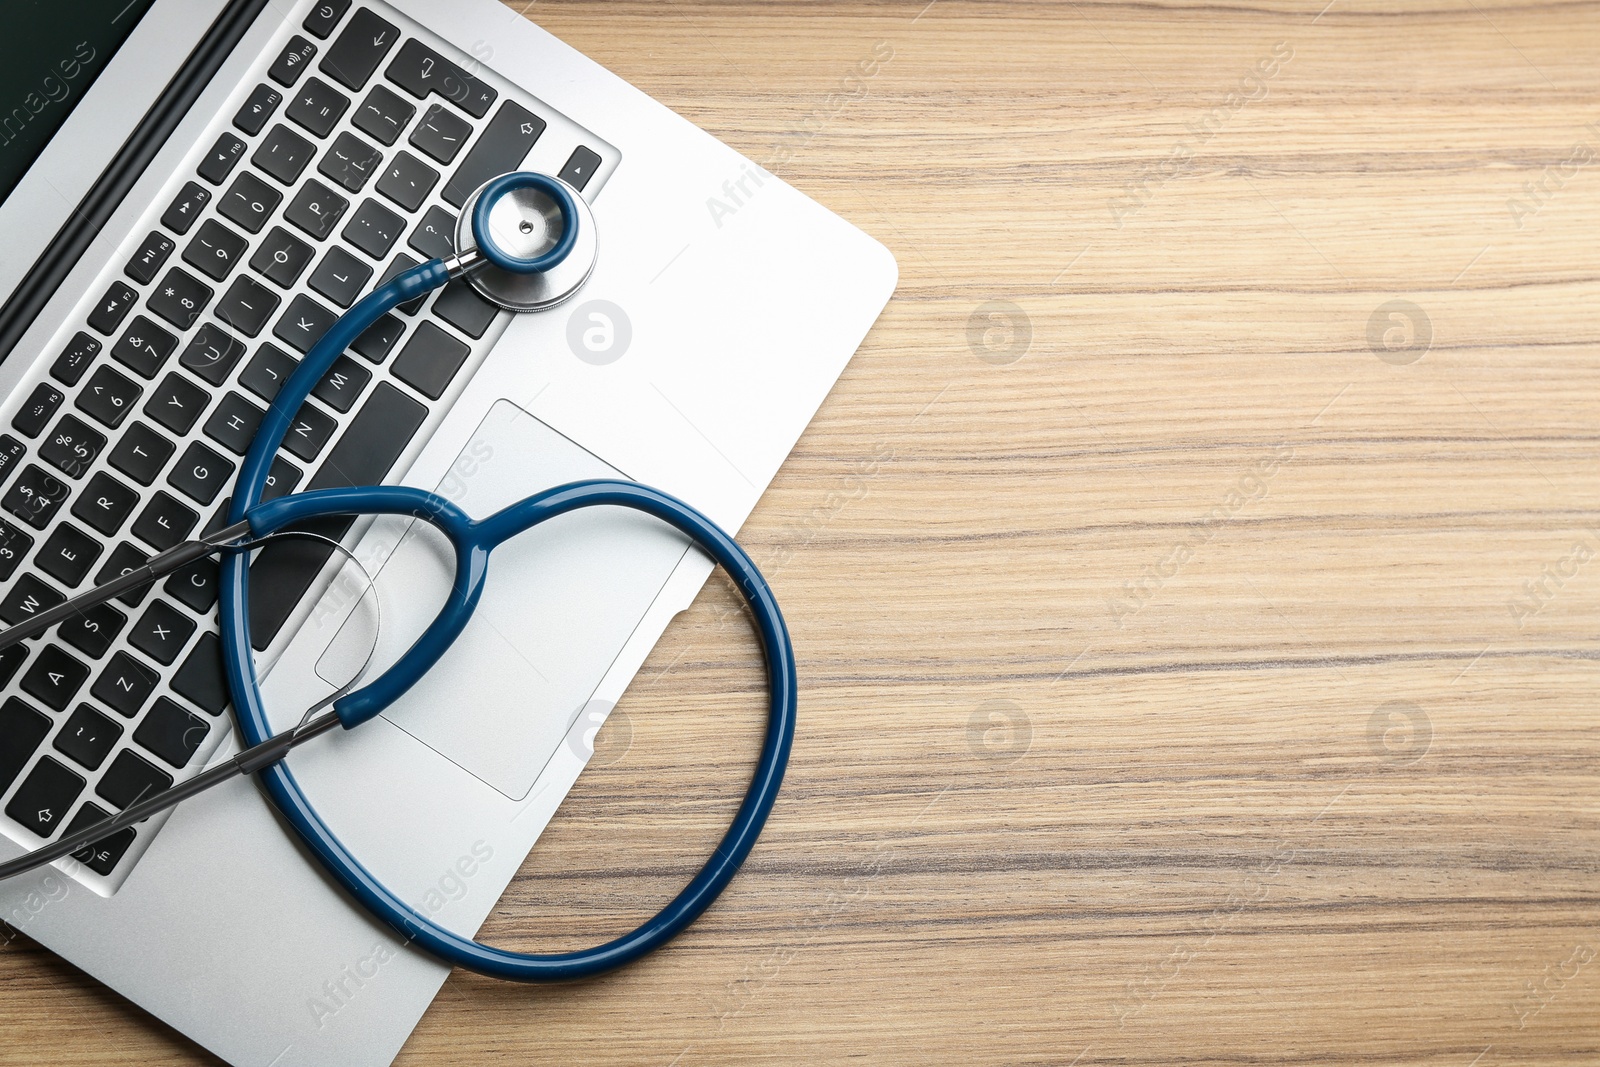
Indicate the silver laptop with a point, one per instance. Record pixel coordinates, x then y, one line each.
193 191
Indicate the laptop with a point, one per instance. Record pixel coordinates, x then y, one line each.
193 191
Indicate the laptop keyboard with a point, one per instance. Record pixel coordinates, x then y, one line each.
343 162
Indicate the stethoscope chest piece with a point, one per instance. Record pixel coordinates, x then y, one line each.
527 223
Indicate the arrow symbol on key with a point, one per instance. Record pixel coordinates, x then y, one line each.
527 127
46 815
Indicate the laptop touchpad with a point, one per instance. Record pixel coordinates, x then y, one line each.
560 602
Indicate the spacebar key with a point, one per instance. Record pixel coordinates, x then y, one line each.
364 455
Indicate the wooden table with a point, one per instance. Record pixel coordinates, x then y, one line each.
1193 576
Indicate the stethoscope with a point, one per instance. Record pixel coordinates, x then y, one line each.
527 242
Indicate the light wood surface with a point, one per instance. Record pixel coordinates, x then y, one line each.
1173 691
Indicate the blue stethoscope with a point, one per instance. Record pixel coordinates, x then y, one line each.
518 251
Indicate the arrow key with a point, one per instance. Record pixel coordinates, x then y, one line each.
45 797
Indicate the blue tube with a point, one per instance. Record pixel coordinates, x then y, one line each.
475 540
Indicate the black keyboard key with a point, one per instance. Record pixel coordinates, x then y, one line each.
131 779
383 115
257 111
14 544
304 323
27 598
293 60
212 353
221 160
164 522
359 49
430 360
11 452
146 262
378 340
105 502
92 630
501 147
215 250
74 360
67 554
144 346
324 17
580 167
100 856
35 497
22 730
233 424
10 660
200 680
316 209
249 201
350 161
179 298
45 796
309 432
72 446
195 586
267 370
161 632
247 305
201 473
282 477
407 181
341 387
124 558
461 306
185 210
125 685
374 228
140 455
171 732
177 403
109 396
88 737
441 133
281 257
55 677
420 70
317 107
284 154
284 570
435 235
399 265
340 277
37 410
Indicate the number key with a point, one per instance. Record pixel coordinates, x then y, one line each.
35 497
108 397
72 446
215 249
144 347
249 201
14 544
179 298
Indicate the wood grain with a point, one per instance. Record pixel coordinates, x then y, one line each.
1173 690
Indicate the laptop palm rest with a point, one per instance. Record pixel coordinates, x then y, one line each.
560 602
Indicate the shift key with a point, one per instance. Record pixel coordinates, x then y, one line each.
500 149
